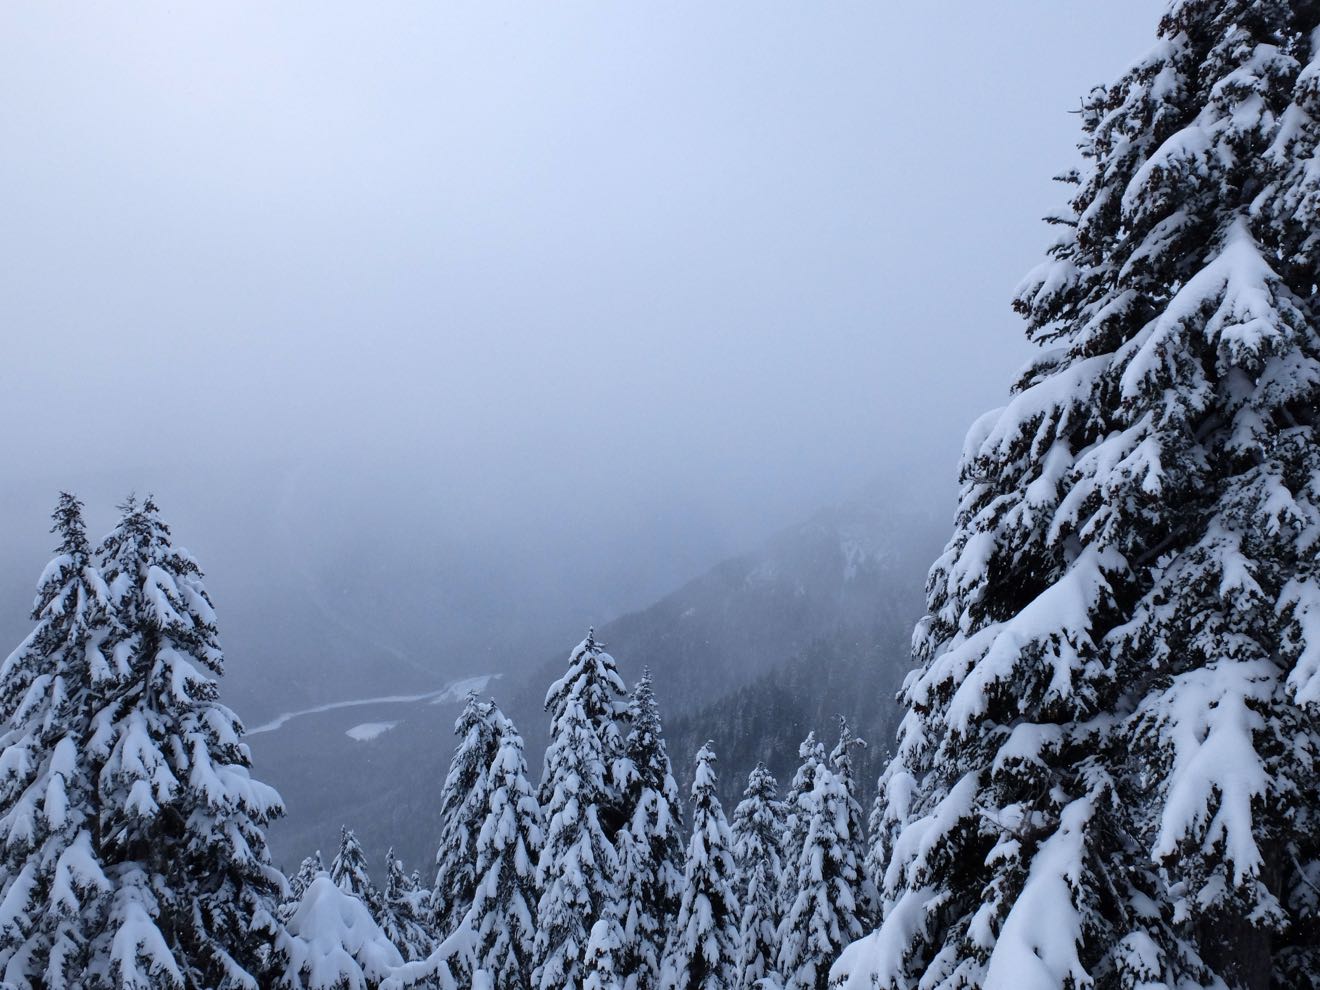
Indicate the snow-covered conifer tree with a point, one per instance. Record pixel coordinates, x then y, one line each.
603 967
798 808
308 870
1113 723
181 818
889 812
405 909
578 864
464 804
758 836
812 754
822 917
841 759
702 950
332 942
505 894
650 845
350 873
53 891
593 679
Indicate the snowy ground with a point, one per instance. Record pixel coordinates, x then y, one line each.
369 730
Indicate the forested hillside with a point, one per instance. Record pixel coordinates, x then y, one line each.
837 593
820 616
849 675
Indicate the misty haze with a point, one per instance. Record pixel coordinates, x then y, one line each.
637 497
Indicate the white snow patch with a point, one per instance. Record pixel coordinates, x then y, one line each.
369 730
459 690
453 691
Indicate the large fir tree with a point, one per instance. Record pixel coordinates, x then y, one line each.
593 679
824 912
1113 723
758 837
181 818
508 845
702 949
405 910
350 872
464 803
54 891
841 760
649 844
798 809
578 864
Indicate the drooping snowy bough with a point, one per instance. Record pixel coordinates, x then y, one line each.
1106 776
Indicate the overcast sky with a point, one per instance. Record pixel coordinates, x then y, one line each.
684 270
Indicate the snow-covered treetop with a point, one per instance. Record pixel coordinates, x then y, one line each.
72 614
464 803
50 871
349 869
157 587
333 943
504 905
592 677
703 947
841 756
704 778
812 754
758 820
578 864
643 773
645 755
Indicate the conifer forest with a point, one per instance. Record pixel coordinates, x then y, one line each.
1077 748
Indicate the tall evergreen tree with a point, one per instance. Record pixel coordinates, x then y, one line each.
823 916
758 836
350 872
841 760
53 890
889 812
504 905
593 679
702 951
181 818
1113 724
464 803
798 809
578 864
649 844
405 910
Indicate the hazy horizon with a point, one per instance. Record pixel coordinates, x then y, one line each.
544 309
